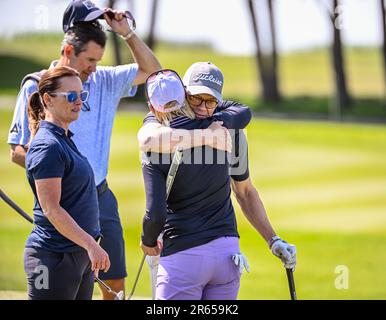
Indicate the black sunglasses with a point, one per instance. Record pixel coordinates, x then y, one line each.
196 100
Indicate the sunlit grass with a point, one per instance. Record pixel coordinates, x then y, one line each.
323 185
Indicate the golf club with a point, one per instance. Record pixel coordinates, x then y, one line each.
169 183
291 284
137 277
118 296
13 205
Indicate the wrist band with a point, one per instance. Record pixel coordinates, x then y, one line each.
128 35
273 240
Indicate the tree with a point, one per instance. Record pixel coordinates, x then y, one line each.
115 40
382 4
266 64
343 100
151 37
274 58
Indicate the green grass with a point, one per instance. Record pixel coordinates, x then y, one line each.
323 185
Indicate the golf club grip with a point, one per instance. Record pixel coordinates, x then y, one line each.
291 284
14 206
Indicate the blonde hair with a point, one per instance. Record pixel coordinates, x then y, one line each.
166 117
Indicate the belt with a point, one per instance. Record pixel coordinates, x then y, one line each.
102 187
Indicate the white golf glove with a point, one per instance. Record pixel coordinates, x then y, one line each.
286 252
241 261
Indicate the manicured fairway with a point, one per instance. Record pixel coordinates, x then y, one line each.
323 185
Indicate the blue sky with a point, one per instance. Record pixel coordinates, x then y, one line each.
223 23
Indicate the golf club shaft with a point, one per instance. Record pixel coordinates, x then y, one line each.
19 210
105 286
14 206
291 284
138 274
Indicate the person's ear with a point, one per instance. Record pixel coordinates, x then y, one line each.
47 99
68 51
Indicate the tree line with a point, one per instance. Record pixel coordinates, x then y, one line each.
267 66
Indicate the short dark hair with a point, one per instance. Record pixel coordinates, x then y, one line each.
83 32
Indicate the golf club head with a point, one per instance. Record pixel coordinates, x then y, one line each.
119 296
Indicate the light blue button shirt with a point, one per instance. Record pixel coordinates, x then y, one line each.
93 129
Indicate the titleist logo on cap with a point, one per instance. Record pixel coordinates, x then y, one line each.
207 77
88 4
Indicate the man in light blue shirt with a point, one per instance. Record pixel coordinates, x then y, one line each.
82 48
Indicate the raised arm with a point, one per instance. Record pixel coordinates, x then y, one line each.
143 56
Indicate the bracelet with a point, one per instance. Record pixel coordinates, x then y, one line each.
273 240
128 35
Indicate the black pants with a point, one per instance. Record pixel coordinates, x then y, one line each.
58 276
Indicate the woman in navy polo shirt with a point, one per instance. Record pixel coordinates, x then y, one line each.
62 252
198 222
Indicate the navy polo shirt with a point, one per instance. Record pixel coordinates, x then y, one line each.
199 207
53 154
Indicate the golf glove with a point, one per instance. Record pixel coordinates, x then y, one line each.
286 252
241 261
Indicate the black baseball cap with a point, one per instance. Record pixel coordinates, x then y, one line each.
80 11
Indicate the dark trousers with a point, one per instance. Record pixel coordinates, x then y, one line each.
58 276
111 229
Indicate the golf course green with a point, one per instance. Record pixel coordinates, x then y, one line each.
323 185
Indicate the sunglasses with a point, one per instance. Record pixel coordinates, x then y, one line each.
72 96
196 100
166 72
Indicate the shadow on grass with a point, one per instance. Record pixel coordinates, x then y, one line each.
13 69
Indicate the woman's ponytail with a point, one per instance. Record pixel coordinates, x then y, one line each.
35 112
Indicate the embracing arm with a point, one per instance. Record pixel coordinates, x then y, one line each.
49 192
156 137
234 115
